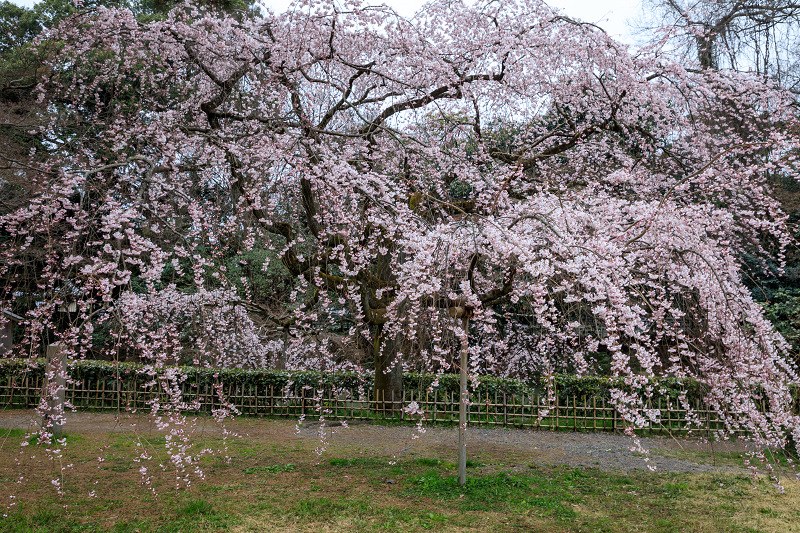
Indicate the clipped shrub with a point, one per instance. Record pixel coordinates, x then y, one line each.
135 375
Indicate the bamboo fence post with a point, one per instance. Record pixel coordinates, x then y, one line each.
558 424
614 421
574 414
557 404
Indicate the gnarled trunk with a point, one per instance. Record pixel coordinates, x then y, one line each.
388 392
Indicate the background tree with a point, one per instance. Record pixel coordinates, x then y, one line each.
742 35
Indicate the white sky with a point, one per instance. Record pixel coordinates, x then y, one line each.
611 15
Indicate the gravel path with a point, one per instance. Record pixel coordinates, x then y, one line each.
517 448
509 448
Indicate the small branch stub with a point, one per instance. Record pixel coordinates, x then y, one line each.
461 312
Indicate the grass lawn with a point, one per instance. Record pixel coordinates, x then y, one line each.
274 485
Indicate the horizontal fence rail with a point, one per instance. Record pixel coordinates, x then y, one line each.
560 412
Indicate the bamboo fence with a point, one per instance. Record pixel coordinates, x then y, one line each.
560 412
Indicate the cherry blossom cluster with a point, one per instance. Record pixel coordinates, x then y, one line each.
577 202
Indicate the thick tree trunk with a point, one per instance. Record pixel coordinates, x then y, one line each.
705 49
388 378
281 362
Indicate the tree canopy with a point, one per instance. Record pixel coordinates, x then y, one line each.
585 207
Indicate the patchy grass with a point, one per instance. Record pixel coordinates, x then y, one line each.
356 461
271 483
427 461
272 469
779 460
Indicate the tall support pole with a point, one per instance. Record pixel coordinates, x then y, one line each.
462 406
55 388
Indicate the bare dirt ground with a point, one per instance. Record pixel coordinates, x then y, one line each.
514 447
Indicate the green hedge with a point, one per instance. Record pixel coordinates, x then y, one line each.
565 385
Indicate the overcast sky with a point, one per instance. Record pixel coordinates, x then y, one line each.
611 15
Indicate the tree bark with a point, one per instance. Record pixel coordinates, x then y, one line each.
281 363
705 49
388 381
